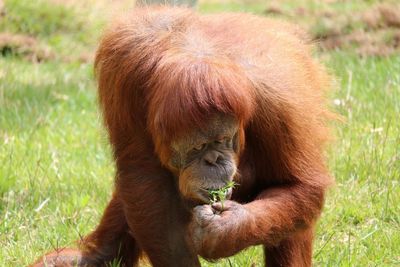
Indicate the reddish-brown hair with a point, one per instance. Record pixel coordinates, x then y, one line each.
185 91
163 72
177 90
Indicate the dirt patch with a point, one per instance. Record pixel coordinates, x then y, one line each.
2 12
374 32
30 48
273 9
24 46
371 32
381 16
378 43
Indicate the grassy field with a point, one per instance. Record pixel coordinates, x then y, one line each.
56 173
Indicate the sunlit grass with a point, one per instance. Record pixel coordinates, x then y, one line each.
56 172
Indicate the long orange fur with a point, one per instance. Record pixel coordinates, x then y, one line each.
162 71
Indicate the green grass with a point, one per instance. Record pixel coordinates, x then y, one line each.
56 172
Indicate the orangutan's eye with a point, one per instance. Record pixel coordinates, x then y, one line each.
200 147
220 141
223 140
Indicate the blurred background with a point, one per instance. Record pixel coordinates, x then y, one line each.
56 172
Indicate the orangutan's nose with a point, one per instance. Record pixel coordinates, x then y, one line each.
212 157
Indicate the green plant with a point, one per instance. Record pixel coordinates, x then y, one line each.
219 195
